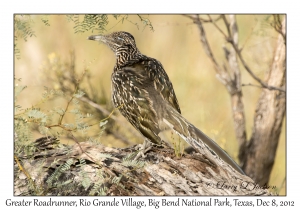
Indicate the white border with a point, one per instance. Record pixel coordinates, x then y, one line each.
8 8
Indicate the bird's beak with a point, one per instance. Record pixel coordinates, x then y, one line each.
96 38
107 40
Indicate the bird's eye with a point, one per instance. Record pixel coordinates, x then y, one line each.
119 38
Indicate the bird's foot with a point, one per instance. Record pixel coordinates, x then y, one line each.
143 149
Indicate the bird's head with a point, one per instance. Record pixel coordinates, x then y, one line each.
116 41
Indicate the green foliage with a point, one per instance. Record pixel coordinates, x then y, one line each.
69 119
116 16
98 23
23 28
104 156
79 94
23 139
24 24
86 181
129 161
89 23
146 22
99 190
117 181
23 135
17 51
53 180
61 179
71 116
105 180
51 122
37 115
45 20
98 187
18 89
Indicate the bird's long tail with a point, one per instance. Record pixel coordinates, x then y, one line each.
194 136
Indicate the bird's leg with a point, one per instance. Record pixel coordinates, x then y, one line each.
143 148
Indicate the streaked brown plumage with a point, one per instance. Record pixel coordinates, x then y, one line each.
145 96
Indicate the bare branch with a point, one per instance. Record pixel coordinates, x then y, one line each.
106 112
230 77
277 25
221 74
228 28
234 44
233 29
269 114
263 84
238 111
202 19
249 84
233 40
217 27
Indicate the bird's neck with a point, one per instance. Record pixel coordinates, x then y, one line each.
127 56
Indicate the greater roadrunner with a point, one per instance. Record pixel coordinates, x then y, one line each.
142 91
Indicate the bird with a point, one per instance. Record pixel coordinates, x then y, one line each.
144 94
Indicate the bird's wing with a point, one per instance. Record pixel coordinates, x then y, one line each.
131 93
144 87
161 80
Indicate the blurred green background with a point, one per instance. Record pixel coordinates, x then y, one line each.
175 42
